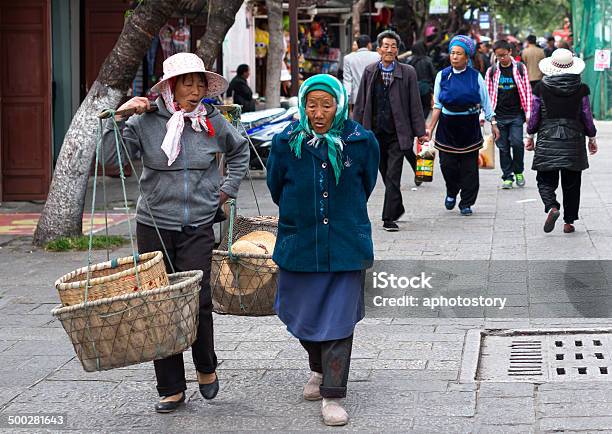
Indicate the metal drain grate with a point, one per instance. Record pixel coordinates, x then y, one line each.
538 356
525 358
581 357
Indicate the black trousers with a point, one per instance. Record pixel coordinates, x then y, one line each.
460 173
390 167
426 104
411 158
333 360
548 182
190 249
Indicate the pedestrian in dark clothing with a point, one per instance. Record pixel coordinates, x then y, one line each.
239 88
459 95
426 74
561 116
321 172
550 46
388 103
510 94
482 59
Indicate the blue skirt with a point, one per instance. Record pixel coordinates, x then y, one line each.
458 134
320 307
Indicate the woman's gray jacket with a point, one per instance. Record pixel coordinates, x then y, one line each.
185 193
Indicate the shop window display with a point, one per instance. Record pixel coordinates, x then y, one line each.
316 45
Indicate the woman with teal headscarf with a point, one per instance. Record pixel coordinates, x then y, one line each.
321 172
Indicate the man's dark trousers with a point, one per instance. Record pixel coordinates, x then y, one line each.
511 147
391 163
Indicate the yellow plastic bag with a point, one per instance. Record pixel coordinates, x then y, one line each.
425 162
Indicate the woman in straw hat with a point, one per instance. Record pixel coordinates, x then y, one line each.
459 95
181 194
321 171
561 117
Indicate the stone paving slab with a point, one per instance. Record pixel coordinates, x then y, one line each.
405 371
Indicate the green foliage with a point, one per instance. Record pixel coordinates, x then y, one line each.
532 16
65 244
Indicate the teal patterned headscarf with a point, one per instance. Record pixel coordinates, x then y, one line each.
334 87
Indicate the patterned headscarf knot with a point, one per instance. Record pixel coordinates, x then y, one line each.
171 144
333 137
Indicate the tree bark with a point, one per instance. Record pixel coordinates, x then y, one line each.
221 16
63 211
358 8
275 52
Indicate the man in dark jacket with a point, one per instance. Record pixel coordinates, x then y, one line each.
389 104
239 87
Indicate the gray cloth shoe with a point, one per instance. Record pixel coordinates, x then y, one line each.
311 389
333 413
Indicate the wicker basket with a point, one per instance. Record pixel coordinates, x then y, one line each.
244 284
135 328
113 278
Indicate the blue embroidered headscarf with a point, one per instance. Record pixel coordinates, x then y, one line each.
334 87
464 42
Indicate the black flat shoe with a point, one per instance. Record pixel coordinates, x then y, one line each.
169 406
209 391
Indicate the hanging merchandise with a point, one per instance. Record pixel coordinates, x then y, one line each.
262 39
319 56
181 38
151 55
165 38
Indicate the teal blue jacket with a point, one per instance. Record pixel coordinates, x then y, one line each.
323 227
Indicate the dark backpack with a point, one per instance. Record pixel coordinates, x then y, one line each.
425 86
520 66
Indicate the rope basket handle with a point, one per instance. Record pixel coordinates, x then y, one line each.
230 230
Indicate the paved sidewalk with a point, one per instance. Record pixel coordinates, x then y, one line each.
405 373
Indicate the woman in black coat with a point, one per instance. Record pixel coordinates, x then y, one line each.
561 116
239 88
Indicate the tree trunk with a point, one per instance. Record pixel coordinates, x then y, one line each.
403 18
275 52
221 16
421 17
63 211
358 8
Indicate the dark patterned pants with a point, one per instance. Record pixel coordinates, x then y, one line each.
333 360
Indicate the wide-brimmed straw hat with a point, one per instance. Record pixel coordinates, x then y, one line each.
186 63
562 61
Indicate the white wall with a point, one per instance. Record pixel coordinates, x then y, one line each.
239 45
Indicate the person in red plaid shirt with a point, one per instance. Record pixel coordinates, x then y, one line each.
509 90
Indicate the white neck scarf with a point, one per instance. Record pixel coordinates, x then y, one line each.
174 127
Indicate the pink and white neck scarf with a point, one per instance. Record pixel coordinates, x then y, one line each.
174 127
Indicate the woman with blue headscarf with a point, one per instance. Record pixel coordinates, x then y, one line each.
459 95
321 172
